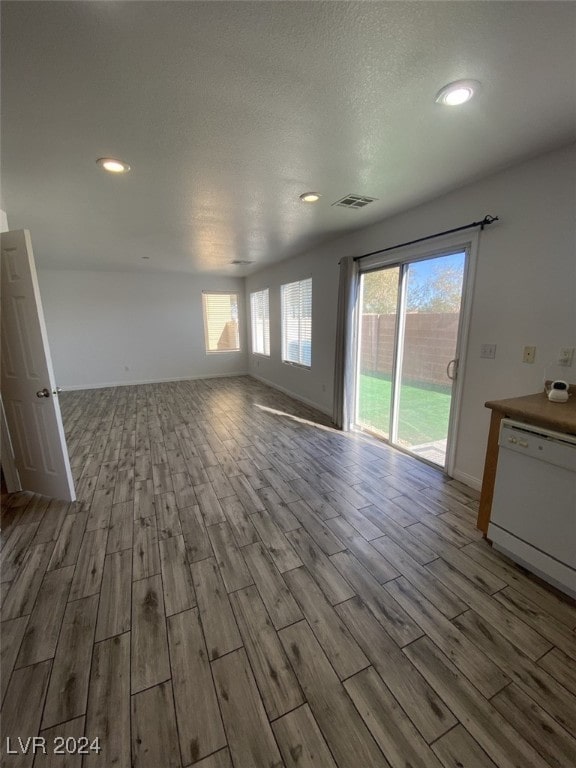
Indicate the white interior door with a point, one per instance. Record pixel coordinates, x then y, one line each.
28 387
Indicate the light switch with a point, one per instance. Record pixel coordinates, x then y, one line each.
565 356
488 351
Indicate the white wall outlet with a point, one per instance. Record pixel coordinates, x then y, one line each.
529 355
488 350
566 356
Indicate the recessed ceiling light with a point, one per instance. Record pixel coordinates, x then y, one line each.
457 93
310 197
112 165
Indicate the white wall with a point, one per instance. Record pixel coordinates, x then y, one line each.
525 290
7 459
314 385
108 328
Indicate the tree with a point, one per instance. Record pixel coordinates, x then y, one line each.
437 291
440 292
381 292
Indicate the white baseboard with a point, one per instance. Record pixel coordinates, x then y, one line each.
469 480
70 387
285 391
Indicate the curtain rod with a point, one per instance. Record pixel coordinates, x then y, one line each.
484 223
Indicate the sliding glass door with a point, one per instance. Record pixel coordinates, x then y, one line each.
408 344
377 339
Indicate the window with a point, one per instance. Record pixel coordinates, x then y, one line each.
221 322
260 311
297 323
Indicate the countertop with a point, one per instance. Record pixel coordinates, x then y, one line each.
538 410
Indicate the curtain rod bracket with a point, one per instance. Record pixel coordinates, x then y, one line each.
488 220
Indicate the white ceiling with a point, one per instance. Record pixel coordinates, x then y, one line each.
227 111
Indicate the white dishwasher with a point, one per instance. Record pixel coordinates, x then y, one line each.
533 518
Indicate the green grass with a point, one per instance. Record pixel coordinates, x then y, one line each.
423 415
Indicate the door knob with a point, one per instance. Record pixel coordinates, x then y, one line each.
43 393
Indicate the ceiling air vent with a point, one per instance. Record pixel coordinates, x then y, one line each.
355 201
241 261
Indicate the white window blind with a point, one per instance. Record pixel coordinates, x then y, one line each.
260 314
221 322
297 322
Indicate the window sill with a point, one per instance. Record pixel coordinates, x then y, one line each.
297 365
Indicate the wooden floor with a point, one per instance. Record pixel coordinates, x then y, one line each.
240 585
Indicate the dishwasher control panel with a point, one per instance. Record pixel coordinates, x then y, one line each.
539 443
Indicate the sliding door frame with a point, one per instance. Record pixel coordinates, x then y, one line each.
444 246
398 361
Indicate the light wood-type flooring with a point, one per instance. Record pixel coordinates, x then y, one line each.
240 585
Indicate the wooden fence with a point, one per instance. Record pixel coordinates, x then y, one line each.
430 344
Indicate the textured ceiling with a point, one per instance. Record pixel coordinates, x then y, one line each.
227 111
